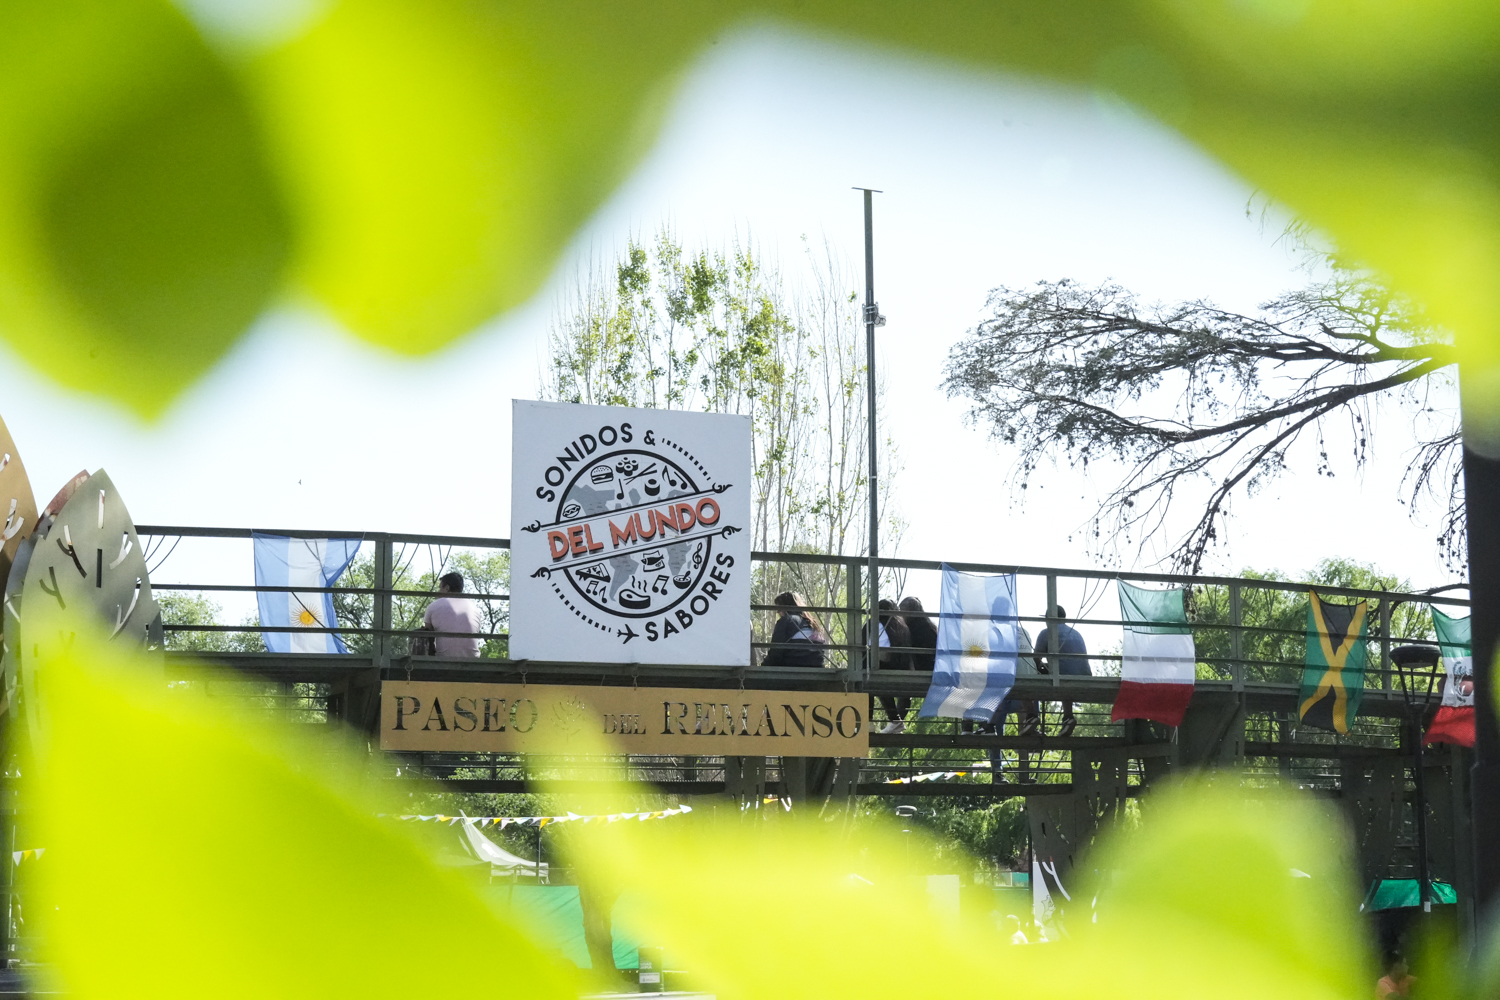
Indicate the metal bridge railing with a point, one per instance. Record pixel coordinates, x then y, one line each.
1248 631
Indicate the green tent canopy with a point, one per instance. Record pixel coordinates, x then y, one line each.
1395 893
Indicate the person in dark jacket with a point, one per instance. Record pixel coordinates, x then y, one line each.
923 633
895 654
1071 658
799 639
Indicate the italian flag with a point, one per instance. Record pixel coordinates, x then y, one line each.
1159 660
1454 722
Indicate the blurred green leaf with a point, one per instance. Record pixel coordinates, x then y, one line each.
140 231
192 852
217 855
437 157
1200 901
1223 881
441 154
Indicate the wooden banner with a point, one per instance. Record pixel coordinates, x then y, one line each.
512 718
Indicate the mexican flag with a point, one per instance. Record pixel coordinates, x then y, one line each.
1333 680
1159 661
1454 722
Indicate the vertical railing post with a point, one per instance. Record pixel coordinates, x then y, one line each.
854 623
1236 638
384 582
1053 643
1384 610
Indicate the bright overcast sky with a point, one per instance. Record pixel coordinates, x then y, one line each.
988 180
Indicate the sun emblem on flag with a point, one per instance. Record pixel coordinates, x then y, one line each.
304 617
976 650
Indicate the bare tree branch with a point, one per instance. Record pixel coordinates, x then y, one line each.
1194 392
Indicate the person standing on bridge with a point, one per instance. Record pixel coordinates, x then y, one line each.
1070 660
451 613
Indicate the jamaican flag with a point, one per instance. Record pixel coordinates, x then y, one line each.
1333 680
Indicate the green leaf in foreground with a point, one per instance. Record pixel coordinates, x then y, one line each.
193 853
140 228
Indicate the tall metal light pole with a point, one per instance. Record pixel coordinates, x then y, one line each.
872 320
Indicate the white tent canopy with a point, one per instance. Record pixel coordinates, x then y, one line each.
487 850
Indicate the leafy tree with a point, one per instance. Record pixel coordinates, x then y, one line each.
1275 621
484 572
721 330
180 607
1192 393
300 702
994 830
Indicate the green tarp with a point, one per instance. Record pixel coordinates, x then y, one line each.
552 916
1394 893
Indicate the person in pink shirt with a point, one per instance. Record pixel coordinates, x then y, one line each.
454 614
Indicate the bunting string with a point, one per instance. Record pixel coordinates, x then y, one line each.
786 803
541 821
933 776
17 857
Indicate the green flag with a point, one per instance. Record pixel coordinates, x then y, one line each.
1333 680
1452 635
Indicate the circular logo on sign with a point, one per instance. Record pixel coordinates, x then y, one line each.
662 557
633 529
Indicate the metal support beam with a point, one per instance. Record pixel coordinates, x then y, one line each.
1213 731
1236 637
1482 500
384 580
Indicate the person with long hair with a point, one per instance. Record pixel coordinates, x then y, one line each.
799 639
895 654
923 633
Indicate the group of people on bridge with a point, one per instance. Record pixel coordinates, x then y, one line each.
908 641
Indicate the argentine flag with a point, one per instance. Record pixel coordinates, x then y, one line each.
300 562
975 666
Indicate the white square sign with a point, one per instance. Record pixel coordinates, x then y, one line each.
630 535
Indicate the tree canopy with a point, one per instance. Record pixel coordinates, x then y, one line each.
724 329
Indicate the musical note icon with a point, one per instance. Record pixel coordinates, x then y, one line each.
660 586
698 556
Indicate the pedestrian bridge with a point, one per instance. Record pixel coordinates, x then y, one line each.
1249 638
1249 635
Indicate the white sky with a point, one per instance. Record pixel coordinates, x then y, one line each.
988 180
